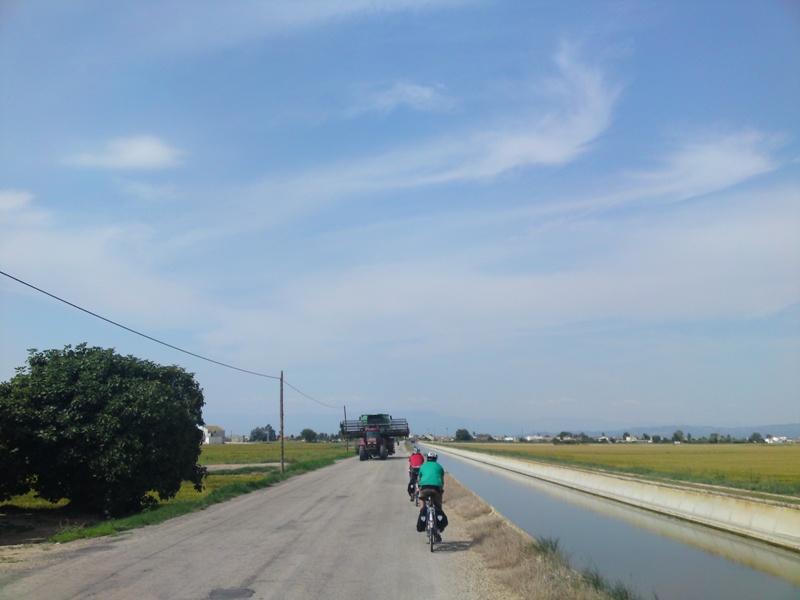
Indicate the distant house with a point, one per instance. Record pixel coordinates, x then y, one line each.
212 434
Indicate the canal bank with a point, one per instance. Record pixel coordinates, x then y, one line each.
767 522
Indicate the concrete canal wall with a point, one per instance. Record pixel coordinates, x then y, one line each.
779 525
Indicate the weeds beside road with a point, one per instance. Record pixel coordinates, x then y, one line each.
524 567
28 519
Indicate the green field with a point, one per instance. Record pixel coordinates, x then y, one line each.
756 467
216 454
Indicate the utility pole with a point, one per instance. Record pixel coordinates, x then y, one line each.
282 436
346 440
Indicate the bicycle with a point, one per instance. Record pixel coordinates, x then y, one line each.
413 475
430 523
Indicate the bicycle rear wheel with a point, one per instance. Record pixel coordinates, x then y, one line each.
431 527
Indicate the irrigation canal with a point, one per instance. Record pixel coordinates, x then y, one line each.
650 553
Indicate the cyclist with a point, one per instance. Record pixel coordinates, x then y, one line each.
431 482
415 461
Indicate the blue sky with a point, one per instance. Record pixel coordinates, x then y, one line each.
524 213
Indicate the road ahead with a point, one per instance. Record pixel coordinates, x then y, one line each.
345 531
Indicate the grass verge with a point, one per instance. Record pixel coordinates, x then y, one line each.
525 567
182 504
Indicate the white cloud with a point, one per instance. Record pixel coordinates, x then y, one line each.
401 94
109 269
731 260
17 210
192 26
150 193
130 153
709 163
583 102
12 200
696 165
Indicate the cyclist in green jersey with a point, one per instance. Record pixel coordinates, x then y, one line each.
431 477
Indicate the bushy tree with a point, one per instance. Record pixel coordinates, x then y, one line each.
308 435
263 434
463 435
103 430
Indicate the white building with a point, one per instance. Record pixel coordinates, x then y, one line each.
212 434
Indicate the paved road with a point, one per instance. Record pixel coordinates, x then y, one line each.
345 531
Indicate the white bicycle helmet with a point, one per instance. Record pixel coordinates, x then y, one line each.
432 456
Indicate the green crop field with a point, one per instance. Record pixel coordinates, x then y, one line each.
757 467
215 454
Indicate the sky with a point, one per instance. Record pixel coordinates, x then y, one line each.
527 215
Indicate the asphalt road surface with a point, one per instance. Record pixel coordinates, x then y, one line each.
345 531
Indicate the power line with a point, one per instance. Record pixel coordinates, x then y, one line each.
307 396
216 362
152 339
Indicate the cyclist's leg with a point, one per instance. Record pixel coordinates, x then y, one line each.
437 498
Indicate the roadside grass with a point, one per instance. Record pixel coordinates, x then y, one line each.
527 568
219 486
260 452
753 467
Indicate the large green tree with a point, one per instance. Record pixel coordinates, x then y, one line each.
309 435
103 430
463 435
263 434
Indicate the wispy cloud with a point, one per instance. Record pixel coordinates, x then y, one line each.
13 200
17 210
708 163
693 166
580 105
402 94
130 153
208 25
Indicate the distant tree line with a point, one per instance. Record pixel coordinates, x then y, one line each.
263 434
678 436
309 435
268 434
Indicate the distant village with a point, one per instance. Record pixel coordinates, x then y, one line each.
566 437
213 434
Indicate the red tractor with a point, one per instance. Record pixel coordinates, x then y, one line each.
375 434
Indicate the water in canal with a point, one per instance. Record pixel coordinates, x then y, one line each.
650 553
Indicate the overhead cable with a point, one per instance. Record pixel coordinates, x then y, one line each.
307 396
152 339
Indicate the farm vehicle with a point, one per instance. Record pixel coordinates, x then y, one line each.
375 433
